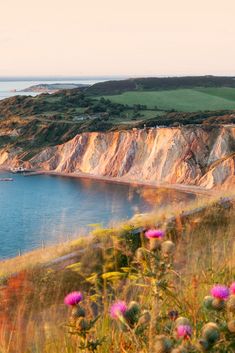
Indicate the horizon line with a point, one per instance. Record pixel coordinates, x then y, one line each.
101 77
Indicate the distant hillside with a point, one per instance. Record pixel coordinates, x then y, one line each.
159 83
45 87
51 119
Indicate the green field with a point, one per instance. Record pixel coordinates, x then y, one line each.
187 100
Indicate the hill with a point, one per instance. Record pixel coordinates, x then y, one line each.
181 99
160 83
48 87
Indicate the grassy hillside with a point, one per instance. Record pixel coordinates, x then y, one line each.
160 83
158 281
221 92
186 100
135 98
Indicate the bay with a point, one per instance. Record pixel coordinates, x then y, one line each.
50 209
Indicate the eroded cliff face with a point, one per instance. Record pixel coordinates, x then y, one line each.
189 155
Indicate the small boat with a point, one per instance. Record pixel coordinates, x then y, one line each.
19 170
6 179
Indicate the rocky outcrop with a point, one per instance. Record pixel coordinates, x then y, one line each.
202 156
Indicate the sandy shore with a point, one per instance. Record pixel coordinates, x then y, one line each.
192 189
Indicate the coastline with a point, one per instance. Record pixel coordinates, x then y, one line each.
192 189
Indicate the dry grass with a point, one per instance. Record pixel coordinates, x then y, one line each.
39 257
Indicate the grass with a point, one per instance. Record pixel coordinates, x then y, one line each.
33 317
185 100
129 118
222 92
39 257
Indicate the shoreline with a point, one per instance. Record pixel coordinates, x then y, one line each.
192 189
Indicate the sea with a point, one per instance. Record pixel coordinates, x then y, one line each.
36 211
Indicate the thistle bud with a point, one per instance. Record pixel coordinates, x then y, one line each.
203 344
82 324
140 254
210 332
208 300
231 326
145 318
173 315
133 312
78 312
163 344
180 349
218 304
182 321
231 304
154 244
168 248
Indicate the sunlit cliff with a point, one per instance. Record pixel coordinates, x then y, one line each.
202 156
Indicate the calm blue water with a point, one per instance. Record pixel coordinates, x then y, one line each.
51 209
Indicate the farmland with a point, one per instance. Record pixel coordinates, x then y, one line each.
186 100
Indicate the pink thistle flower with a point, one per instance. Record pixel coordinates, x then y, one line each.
118 309
232 288
220 292
73 298
184 331
154 234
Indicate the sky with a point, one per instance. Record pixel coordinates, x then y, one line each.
117 37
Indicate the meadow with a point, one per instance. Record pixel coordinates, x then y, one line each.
148 285
185 100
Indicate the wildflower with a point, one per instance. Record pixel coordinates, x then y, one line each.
73 298
118 309
184 331
220 292
232 288
154 234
